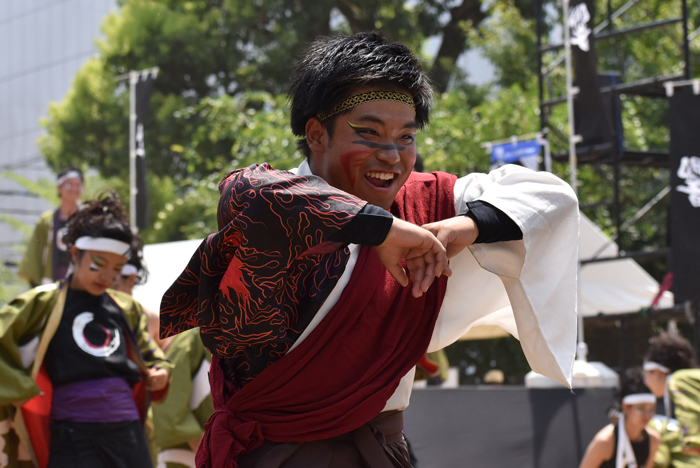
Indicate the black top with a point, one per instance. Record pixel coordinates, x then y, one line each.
89 343
640 449
60 255
494 225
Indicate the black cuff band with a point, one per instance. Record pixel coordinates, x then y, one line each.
369 227
494 225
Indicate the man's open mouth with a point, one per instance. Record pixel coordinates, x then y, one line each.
380 179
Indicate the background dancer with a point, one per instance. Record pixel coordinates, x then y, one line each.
179 420
670 372
47 257
88 350
628 442
302 296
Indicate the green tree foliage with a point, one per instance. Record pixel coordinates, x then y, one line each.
42 188
210 48
453 141
228 132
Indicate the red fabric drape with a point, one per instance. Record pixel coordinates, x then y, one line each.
342 374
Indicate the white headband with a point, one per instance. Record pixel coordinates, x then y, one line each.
68 175
103 244
129 270
639 398
651 365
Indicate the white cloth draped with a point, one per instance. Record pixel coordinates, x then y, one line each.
526 287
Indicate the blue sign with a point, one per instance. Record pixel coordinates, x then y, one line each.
509 152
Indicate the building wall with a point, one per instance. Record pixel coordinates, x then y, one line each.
43 43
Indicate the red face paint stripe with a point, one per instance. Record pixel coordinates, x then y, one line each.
349 161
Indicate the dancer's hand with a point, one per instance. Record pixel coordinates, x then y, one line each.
425 257
157 379
454 233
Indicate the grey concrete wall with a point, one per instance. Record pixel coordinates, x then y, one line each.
504 427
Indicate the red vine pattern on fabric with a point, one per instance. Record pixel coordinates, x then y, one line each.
255 285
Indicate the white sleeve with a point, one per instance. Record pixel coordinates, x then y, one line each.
527 287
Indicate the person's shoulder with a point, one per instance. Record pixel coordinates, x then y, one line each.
686 373
45 218
125 301
234 174
686 378
601 448
45 294
605 438
654 437
254 171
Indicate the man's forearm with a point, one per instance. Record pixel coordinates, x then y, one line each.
369 227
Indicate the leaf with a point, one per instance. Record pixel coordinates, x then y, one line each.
43 188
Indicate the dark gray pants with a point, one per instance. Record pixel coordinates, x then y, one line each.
378 444
98 445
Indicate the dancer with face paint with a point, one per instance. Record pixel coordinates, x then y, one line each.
303 297
47 257
629 443
77 354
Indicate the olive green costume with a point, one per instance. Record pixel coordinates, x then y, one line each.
37 261
181 417
23 323
680 437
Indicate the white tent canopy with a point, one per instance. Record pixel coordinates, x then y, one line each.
165 262
610 287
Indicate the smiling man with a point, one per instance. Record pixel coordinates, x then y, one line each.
303 298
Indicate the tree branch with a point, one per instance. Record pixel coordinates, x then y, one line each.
353 13
454 41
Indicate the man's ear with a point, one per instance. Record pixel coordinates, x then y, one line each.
74 254
316 136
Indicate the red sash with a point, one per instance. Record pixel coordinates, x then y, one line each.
343 373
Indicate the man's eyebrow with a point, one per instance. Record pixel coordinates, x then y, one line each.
373 119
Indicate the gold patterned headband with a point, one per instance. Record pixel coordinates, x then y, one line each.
356 100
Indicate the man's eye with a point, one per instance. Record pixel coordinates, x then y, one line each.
409 138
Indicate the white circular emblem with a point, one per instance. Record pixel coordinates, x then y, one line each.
59 238
105 349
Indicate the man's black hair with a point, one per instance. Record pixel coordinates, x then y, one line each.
333 67
68 169
100 218
671 350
